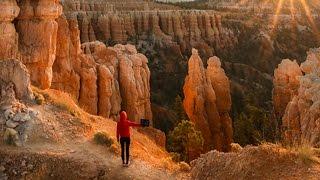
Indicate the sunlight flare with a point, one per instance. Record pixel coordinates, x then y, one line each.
310 18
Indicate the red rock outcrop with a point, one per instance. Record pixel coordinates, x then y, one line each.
205 107
301 119
221 87
8 34
134 80
102 79
286 84
38 49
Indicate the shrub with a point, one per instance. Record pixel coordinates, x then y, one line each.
306 153
39 98
103 138
114 148
184 166
253 126
185 140
179 110
11 137
175 157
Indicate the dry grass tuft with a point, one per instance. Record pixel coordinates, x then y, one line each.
102 138
184 166
306 153
114 148
176 157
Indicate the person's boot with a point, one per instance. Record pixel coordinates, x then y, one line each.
127 164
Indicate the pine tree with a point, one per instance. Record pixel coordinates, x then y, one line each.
186 141
179 110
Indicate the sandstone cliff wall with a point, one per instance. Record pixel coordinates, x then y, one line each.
8 34
188 29
37 30
301 116
113 5
103 80
208 102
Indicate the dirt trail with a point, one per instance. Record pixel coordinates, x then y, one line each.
60 147
94 161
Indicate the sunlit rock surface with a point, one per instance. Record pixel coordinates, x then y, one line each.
286 84
301 118
207 102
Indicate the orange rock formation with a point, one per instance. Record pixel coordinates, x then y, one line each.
302 113
101 79
207 102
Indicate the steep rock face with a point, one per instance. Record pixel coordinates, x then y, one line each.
221 87
286 84
201 102
301 118
38 49
106 86
67 57
112 5
8 34
199 29
103 80
134 80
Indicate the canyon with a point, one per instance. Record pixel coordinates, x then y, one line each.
68 67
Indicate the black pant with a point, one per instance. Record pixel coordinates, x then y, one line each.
125 141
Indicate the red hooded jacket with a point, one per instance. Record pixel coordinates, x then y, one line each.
123 126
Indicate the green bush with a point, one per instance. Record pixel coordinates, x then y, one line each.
184 139
39 98
254 126
179 110
103 138
11 137
175 157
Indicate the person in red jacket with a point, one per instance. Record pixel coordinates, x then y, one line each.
123 133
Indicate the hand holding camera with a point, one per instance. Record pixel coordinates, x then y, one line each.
145 122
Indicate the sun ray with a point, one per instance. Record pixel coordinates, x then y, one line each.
310 18
242 2
292 10
265 2
276 16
